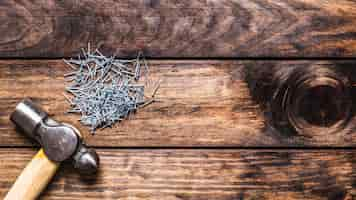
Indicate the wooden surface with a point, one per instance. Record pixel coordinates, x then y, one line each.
207 136
275 28
199 103
201 174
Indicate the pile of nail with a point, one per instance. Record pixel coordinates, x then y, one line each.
104 90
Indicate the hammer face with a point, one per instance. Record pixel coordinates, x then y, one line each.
28 116
58 140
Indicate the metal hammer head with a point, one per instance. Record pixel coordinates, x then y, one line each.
60 141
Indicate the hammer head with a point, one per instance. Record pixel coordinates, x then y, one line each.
60 141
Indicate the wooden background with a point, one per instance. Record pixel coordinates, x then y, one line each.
205 138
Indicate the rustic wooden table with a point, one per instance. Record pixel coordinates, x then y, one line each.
206 138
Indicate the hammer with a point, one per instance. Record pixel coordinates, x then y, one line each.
59 141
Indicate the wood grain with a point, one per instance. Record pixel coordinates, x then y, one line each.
199 103
200 174
227 28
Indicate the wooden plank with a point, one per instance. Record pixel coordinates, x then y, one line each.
200 174
293 28
199 103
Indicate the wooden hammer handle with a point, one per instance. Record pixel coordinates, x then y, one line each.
33 179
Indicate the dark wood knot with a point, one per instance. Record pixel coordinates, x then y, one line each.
312 101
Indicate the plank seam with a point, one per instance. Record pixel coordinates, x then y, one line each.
199 148
203 58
